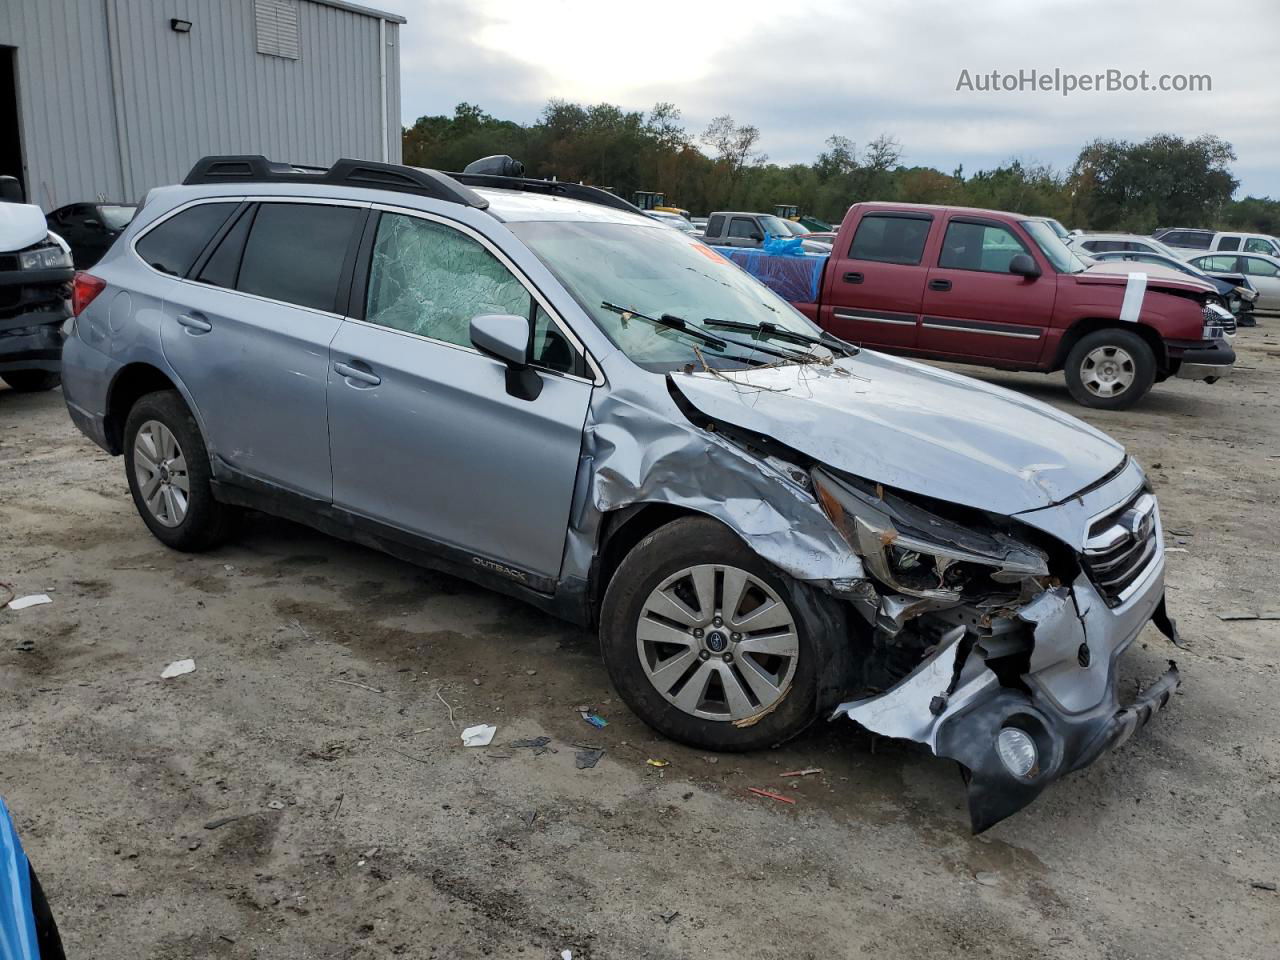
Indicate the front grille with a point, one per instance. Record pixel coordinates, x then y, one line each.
1228 323
1121 546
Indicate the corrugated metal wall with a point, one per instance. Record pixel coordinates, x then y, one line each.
87 68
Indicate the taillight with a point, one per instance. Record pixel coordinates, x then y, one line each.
84 288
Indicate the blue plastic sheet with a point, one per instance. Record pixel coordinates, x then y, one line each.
783 246
796 279
17 923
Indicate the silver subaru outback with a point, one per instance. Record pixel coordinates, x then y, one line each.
529 384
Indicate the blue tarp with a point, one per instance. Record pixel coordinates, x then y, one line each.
17 922
794 278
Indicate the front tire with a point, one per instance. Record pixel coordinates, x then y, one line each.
711 645
169 474
1110 369
31 381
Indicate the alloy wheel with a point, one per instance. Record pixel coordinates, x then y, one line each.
718 642
161 471
1108 371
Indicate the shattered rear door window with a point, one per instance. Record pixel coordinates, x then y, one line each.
429 279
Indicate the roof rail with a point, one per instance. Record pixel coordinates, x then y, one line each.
366 174
559 188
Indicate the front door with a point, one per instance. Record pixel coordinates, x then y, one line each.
248 333
974 307
425 435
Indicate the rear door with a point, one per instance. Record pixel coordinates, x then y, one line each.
248 332
874 289
974 307
425 436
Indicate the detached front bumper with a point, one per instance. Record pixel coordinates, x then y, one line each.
1064 648
32 341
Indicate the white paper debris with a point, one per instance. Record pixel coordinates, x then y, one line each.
566 955
34 600
177 669
480 735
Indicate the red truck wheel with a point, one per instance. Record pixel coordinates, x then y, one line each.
1110 369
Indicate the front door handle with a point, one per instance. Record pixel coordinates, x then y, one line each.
194 322
853 277
939 284
367 377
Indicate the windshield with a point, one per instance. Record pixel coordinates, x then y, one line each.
660 272
775 226
1059 254
117 216
795 228
1058 228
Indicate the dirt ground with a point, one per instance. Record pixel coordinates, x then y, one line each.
330 679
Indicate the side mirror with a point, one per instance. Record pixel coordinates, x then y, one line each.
505 337
1024 266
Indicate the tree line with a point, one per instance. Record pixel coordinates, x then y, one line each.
1112 185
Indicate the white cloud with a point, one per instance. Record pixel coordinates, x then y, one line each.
808 68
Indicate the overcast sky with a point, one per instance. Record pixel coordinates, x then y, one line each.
802 70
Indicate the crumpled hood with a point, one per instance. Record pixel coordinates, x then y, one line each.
21 225
1116 273
914 427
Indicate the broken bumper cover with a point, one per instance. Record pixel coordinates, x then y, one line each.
1206 363
1067 702
1064 742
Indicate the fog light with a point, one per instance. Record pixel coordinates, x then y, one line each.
1017 751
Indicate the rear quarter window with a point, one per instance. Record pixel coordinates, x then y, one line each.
175 244
715 227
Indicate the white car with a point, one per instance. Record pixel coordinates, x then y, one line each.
1091 243
1190 243
1262 270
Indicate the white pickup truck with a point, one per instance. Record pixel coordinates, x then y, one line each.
35 286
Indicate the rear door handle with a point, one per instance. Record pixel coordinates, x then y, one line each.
852 277
194 322
939 284
367 377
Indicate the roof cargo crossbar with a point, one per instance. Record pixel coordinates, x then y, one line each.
366 174
557 188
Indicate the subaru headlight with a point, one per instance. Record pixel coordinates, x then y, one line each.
918 553
44 258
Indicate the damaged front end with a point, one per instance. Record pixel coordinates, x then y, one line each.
994 641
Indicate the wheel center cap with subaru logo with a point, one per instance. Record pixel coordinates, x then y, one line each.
717 641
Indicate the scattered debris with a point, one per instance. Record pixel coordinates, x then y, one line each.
223 821
1237 615
566 955
25 646
481 735
771 795
177 669
362 686
668 917
806 772
1175 549
528 817
658 763
449 706
987 879
1269 615
193 845
532 742
1263 885
407 756
531 673
275 804
586 759
31 600
594 719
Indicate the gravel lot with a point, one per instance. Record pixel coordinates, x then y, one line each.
329 681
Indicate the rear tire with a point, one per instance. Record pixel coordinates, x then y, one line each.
169 475
732 685
1110 369
31 381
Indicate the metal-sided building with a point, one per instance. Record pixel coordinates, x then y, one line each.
105 99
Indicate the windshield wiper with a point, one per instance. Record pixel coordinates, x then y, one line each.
670 323
765 330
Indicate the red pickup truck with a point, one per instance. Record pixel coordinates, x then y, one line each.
1002 290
